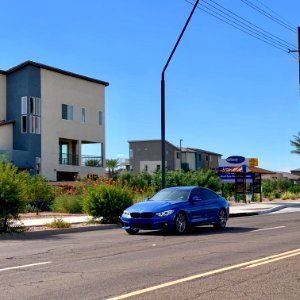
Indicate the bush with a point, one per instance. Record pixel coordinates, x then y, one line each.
71 204
106 202
59 223
37 192
11 203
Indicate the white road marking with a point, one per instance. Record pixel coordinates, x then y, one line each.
25 266
263 229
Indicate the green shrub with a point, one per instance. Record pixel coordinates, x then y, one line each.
92 163
11 202
106 202
37 192
294 189
59 223
290 195
71 204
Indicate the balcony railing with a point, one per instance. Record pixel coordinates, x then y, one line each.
68 159
91 161
87 161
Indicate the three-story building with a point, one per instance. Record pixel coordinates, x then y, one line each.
52 121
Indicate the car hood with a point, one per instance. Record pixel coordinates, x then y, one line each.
152 206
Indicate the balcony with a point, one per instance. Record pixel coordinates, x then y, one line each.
87 161
68 159
91 161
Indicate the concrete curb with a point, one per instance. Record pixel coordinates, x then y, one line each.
255 213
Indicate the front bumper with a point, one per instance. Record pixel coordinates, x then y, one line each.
154 223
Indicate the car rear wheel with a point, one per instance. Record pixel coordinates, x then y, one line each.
132 231
222 219
180 223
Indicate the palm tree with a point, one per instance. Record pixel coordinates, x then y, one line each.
296 143
112 164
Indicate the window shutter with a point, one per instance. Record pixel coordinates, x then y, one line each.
24 105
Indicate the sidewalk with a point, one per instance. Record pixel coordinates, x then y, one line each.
236 210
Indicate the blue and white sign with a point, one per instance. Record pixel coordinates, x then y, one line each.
233 162
235 159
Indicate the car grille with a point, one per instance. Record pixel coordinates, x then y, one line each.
143 215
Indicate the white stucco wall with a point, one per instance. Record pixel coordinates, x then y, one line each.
6 137
2 97
58 89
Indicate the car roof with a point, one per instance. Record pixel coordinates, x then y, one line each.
186 188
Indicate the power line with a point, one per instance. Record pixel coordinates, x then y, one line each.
252 26
282 18
229 18
271 17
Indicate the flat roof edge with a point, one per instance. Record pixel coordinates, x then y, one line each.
53 69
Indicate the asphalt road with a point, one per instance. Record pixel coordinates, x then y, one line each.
255 257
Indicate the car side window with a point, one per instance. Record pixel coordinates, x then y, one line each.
208 195
198 193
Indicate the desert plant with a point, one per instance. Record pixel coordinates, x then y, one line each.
67 204
11 202
37 192
92 163
106 202
59 223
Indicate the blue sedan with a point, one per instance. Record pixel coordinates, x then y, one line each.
177 208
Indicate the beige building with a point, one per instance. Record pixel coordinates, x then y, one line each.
145 156
54 121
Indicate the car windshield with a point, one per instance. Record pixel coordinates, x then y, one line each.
171 195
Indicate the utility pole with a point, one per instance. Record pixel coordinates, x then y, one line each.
298 51
163 139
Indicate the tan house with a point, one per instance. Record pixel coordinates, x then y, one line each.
49 116
145 156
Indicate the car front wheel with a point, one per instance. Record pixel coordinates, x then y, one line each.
180 223
222 219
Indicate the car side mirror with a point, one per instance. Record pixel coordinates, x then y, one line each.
147 199
196 198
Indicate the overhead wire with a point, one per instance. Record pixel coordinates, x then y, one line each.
242 24
275 13
253 26
269 16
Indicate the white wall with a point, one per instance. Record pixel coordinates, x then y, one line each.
2 97
6 137
58 89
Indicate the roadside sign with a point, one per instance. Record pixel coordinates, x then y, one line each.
253 162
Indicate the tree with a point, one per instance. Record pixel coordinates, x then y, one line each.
296 143
11 202
112 164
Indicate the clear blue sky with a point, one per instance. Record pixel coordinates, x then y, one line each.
226 92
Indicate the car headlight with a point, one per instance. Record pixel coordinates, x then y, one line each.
126 214
165 213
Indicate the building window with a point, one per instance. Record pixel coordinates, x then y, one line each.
32 105
67 112
24 105
24 124
32 124
100 118
38 106
83 115
130 153
37 125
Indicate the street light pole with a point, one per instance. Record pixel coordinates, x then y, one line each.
163 139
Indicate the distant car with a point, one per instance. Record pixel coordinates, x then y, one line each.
177 208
